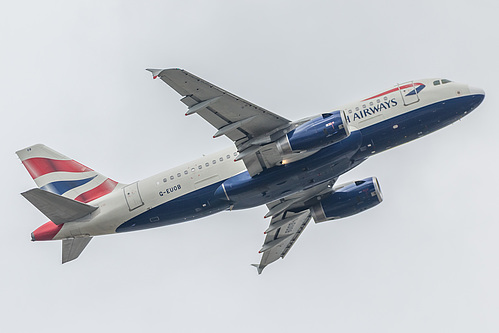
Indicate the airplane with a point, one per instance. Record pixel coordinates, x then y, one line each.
290 166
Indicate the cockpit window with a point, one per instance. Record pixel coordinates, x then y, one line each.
443 81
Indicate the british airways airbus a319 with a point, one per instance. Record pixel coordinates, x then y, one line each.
289 166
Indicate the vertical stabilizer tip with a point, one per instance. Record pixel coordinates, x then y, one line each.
33 237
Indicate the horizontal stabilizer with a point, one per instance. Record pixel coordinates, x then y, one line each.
57 208
72 247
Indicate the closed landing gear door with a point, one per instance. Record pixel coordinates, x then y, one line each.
409 92
132 196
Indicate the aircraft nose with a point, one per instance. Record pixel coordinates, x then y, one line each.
475 98
476 91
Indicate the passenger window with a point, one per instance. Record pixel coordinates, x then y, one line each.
444 81
172 178
164 180
186 172
179 175
214 161
192 169
207 164
235 153
200 167
228 157
436 83
221 159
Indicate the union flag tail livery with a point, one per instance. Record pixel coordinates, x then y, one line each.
64 188
291 167
59 174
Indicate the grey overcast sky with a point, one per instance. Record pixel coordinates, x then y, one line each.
73 78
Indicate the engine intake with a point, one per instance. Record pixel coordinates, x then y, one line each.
348 199
317 133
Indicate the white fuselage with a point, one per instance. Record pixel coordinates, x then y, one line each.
130 201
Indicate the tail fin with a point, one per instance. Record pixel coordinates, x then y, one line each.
56 173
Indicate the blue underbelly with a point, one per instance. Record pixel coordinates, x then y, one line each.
415 124
329 163
191 206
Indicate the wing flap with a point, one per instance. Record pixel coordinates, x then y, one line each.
290 216
57 208
252 164
283 222
279 241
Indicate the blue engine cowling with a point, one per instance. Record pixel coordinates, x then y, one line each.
348 199
316 133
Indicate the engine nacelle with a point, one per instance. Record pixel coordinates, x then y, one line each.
348 199
316 133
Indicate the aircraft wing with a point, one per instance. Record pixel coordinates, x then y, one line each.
290 216
282 234
248 125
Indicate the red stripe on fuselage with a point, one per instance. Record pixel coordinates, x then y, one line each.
393 90
39 166
105 188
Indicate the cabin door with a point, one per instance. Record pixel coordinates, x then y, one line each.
132 196
409 93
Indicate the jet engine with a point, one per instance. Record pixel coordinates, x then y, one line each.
317 133
348 199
